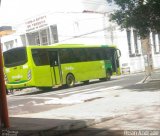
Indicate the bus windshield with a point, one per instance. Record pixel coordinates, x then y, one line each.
15 57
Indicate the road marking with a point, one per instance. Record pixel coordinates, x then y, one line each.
77 98
12 107
90 91
67 91
73 91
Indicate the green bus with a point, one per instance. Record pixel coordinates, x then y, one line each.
61 64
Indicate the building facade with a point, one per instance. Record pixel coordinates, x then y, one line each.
84 28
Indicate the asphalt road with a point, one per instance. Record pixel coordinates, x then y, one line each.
115 106
34 101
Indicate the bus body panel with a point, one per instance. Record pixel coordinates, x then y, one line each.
42 76
54 71
19 76
84 70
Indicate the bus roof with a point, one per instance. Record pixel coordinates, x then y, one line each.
70 46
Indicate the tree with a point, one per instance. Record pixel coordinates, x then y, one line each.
144 17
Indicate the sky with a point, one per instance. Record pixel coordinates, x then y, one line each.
16 11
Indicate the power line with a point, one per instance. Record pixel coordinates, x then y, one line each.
82 35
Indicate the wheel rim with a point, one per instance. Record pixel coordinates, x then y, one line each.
70 80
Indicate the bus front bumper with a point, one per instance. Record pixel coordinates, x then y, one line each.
19 86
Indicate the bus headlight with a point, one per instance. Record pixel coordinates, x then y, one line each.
29 75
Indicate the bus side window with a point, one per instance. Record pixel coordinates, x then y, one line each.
72 55
40 57
53 58
108 55
103 54
64 56
94 53
80 55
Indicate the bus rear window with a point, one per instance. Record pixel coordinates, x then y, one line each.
15 57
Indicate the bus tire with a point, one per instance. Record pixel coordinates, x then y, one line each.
70 80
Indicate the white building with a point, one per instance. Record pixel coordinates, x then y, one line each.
87 28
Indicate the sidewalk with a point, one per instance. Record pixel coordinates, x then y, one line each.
134 107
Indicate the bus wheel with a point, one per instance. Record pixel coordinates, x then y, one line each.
70 80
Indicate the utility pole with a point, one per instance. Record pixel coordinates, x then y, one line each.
4 118
3 100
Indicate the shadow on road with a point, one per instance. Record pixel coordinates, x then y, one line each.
95 132
150 86
55 127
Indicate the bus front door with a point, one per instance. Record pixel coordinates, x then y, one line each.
55 66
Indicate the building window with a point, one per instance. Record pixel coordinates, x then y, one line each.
54 34
31 38
23 39
155 42
129 42
133 43
159 41
44 37
40 37
44 40
135 36
9 45
37 40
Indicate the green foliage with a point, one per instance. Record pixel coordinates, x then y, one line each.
143 15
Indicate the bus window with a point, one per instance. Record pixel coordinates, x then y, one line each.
15 57
94 54
72 55
65 56
90 54
53 58
40 57
80 55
